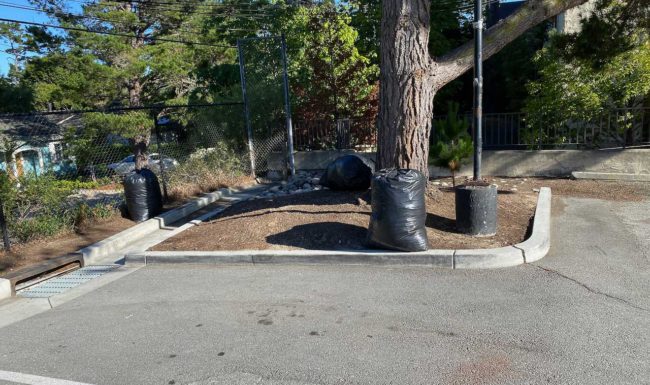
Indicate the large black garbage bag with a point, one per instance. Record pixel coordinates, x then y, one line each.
143 196
398 210
349 172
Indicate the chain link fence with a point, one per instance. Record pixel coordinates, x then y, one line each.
623 127
263 68
58 169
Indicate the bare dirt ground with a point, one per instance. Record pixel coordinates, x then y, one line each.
42 250
338 220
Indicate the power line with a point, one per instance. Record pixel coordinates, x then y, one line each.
205 5
114 33
181 8
89 17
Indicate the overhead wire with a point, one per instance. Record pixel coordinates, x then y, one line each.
97 18
114 33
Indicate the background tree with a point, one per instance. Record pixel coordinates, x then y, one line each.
603 67
452 143
336 81
410 77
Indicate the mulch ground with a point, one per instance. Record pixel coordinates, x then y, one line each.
339 220
36 251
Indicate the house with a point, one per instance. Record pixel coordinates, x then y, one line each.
33 144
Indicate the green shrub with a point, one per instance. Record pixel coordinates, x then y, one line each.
453 145
39 206
81 184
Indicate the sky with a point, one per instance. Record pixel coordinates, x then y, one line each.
24 15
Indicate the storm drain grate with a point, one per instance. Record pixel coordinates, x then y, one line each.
65 282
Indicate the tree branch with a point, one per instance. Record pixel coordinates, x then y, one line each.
458 61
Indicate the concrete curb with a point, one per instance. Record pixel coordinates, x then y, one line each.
539 243
120 240
534 248
5 289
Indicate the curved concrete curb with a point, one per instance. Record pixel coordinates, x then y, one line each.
110 245
539 243
534 248
5 288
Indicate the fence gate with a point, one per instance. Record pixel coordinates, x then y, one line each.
267 110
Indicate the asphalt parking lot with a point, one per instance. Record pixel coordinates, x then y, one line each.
581 315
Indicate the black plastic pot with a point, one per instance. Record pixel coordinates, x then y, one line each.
476 209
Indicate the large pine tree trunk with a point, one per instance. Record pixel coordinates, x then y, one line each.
406 86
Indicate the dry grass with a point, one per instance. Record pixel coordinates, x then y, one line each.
208 170
183 189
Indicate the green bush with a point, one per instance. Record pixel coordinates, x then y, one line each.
453 145
81 184
39 206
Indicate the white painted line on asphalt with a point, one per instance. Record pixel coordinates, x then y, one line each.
30 379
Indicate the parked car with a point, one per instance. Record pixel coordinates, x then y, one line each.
127 164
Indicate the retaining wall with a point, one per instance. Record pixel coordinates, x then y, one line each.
512 163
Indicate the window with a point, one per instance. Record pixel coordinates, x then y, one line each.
57 155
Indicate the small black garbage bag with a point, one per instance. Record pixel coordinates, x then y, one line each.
349 172
143 196
398 210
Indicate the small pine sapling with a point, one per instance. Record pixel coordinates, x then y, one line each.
452 144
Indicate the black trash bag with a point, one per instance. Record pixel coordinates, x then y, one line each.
349 172
143 196
399 210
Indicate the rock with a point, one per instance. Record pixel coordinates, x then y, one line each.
296 191
536 190
444 184
274 189
315 181
435 183
274 175
306 186
513 189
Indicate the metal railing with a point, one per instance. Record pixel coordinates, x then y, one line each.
624 127
341 134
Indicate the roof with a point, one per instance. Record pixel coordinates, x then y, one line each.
35 129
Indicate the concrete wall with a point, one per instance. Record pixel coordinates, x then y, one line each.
514 163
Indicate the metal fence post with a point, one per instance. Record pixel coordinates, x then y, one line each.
249 128
161 163
3 227
287 107
478 87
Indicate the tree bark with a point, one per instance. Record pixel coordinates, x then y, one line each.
410 78
406 85
140 144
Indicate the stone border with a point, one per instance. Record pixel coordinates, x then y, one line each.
534 248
